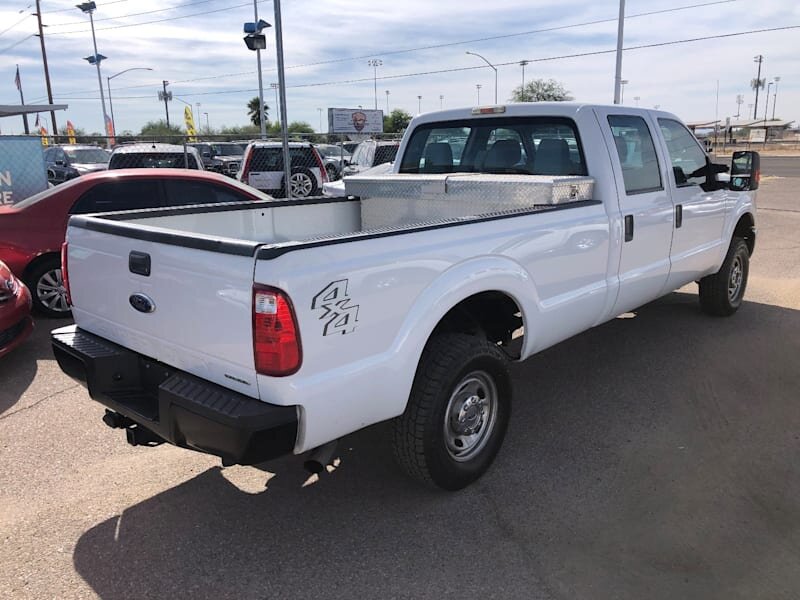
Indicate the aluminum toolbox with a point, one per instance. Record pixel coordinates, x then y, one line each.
400 199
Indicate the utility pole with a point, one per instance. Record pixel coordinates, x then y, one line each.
775 97
22 102
759 59
46 70
165 83
620 35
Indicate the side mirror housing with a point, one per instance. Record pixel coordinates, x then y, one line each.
745 171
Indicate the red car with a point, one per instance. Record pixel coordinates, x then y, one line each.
32 231
15 311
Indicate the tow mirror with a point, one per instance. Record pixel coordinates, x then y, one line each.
745 171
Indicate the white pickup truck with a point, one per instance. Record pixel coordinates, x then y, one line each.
253 330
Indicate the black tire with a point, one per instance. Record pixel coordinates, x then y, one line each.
308 188
721 294
47 290
452 367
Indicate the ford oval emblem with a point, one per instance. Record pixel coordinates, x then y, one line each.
142 303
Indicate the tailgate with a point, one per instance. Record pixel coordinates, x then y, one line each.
193 311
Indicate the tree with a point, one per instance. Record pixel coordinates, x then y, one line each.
541 90
255 114
396 121
158 131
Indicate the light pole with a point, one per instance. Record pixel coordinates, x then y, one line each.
108 83
255 40
618 82
478 87
636 99
739 102
208 127
274 86
441 101
387 102
319 110
757 82
522 64
375 63
96 59
493 67
166 97
419 104
622 84
775 97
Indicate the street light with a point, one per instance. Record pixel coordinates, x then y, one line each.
636 99
775 97
108 83
255 40
96 59
441 101
419 104
274 86
319 110
622 84
375 63
208 127
478 87
387 102
493 67
522 64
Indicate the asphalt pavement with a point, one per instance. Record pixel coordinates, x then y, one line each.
651 457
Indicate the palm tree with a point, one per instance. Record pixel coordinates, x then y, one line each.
254 114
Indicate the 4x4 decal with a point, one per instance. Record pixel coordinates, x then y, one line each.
340 316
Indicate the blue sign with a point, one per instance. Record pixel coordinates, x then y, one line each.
22 169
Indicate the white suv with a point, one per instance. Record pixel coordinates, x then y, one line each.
262 168
155 155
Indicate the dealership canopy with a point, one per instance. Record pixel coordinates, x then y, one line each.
14 110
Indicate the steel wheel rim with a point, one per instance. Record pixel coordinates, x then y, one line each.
470 416
300 184
51 292
735 279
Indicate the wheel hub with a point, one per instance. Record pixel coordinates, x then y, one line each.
735 282
470 416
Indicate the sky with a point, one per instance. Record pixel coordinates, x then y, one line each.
197 46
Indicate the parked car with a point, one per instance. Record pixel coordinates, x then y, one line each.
409 299
371 153
32 231
262 168
155 155
15 311
335 158
70 161
222 157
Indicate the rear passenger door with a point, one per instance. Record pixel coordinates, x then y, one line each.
644 203
699 215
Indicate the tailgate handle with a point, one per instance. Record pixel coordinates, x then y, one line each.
139 263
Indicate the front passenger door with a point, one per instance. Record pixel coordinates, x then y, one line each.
699 215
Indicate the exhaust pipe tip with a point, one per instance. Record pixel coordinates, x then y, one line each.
319 458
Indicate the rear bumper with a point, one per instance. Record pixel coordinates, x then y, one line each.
179 408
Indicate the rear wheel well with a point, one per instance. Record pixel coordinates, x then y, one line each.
745 229
36 262
493 315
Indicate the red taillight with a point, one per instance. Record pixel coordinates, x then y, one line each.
64 276
246 165
276 338
322 172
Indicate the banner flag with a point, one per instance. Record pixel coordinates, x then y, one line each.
43 133
110 131
188 118
71 133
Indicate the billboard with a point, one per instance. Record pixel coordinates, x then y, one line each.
354 120
22 169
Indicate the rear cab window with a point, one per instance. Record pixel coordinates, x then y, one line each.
637 154
525 145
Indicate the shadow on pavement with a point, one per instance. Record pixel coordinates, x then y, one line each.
652 457
18 368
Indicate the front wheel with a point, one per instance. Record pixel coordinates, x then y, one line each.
457 413
721 294
47 288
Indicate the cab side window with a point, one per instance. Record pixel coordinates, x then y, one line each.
684 152
637 154
181 193
119 195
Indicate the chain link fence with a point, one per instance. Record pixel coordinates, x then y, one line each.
315 158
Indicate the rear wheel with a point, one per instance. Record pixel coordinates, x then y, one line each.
302 184
721 294
457 412
47 288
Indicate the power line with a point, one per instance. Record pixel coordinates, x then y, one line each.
208 12
457 69
17 43
14 25
72 8
149 12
